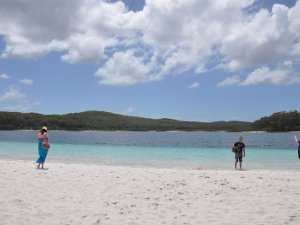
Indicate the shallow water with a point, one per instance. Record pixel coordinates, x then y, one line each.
203 150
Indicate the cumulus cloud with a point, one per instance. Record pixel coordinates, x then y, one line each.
4 76
123 69
129 111
11 94
264 39
184 35
32 29
229 81
15 99
281 75
21 106
85 48
193 85
26 81
167 37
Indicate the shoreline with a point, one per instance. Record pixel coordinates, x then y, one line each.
162 131
247 166
95 194
197 168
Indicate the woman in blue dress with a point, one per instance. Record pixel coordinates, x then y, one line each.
43 151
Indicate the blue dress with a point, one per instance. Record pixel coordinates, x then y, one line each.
42 152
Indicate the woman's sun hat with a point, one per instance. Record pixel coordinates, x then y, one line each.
44 128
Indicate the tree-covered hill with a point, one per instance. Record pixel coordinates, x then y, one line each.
96 120
280 121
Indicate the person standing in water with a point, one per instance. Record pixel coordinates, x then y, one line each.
43 146
297 142
239 152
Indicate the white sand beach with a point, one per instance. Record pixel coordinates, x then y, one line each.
92 194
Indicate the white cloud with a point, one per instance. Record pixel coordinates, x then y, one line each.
4 76
86 48
264 39
281 75
123 69
129 110
83 28
14 99
21 48
193 85
21 106
294 27
26 81
167 37
229 81
12 93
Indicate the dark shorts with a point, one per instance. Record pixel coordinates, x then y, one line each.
239 156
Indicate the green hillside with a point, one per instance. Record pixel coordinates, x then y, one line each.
280 121
97 120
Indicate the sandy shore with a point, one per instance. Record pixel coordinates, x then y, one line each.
91 194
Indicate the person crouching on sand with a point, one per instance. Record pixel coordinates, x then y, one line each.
240 151
43 147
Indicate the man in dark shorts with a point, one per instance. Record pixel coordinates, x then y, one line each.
240 152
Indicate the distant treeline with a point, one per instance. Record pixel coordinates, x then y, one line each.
280 121
96 120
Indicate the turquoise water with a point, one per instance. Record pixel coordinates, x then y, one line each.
257 140
162 157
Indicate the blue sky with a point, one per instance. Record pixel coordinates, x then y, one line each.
196 60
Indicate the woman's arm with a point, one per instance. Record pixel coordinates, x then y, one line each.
40 135
296 139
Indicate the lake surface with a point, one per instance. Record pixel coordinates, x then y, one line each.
203 150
